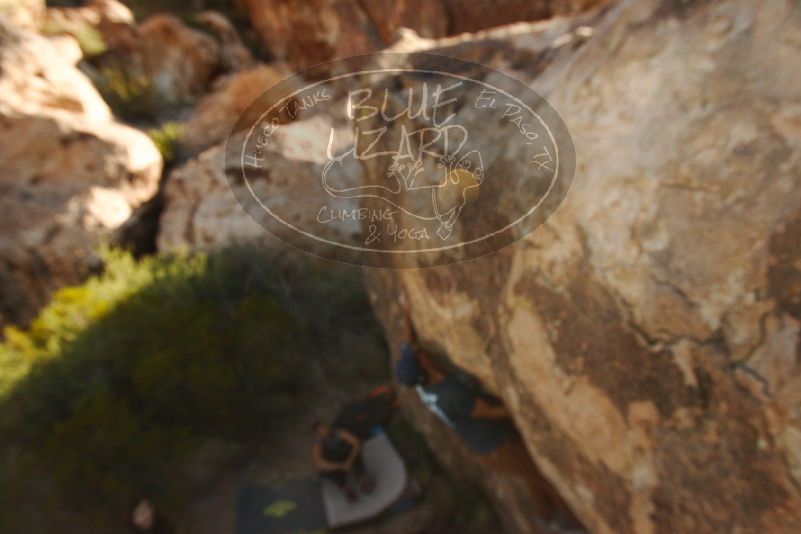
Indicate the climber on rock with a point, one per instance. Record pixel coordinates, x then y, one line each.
337 455
482 425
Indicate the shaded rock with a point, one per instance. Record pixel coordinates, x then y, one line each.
234 54
163 63
306 33
646 337
216 114
427 19
70 175
483 14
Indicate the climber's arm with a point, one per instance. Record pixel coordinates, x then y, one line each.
355 443
434 374
410 337
321 463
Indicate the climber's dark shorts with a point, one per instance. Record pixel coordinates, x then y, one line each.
452 400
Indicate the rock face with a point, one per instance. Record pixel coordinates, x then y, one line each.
70 175
305 33
646 337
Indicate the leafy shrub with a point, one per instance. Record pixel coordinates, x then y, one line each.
119 378
167 139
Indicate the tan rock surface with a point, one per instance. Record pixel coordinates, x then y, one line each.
305 33
70 175
647 336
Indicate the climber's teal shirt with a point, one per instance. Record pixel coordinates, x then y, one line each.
452 401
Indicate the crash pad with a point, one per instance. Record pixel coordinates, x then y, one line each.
311 505
291 508
385 465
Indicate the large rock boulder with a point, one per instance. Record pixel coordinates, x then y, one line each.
70 175
201 210
646 337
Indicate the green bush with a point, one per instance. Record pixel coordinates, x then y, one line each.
167 139
121 377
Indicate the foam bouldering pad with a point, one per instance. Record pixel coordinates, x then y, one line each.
385 465
291 508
